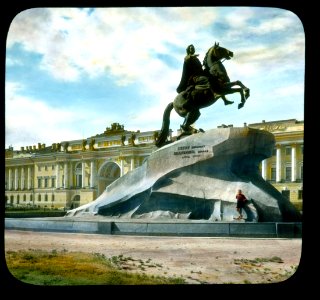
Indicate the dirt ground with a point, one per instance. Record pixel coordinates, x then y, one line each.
199 260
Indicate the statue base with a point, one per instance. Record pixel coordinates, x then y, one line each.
197 178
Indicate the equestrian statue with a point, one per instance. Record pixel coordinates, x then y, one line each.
200 86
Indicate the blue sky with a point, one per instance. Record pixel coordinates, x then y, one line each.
71 72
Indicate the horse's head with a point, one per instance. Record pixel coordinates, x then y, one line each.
220 52
215 54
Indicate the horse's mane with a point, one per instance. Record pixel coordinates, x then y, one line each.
207 59
205 62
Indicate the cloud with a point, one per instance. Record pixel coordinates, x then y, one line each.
28 119
121 41
114 39
144 47
289 90
284 22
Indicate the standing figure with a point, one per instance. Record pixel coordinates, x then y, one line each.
241 202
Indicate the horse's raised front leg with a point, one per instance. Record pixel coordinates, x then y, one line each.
246 90
239 83
236 90
226 101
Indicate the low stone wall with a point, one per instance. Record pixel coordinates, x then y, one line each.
197 228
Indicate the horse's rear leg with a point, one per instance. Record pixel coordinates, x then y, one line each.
190 118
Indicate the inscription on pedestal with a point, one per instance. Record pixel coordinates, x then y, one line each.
193 151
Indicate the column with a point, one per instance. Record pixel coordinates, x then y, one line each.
132 164
57 176
66 181
22 179
264 169
83 173
93 174
121 167
293 163
10 179
29 178
16 179
278 164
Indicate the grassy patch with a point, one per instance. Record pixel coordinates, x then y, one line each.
74 268
258 266
258 261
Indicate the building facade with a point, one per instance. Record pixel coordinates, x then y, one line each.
284 170
72 173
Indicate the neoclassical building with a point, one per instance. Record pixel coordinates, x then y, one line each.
72 173
284 170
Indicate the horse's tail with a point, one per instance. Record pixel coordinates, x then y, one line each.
164 132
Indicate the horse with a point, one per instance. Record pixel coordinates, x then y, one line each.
218 76
205 87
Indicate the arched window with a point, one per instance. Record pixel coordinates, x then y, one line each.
107 173
75 202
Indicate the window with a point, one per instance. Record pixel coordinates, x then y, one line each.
46 182
52 167
30 198
300 194
52 198
46 168
79 175
24 198
288 173
39 198
273 174
301 172
46 197
39 182
288 150
53 182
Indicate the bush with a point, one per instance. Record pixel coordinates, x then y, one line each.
33 213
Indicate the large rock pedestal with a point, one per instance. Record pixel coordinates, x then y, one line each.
197 178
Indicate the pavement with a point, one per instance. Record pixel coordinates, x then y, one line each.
199 260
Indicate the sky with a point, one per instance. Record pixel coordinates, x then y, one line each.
72 72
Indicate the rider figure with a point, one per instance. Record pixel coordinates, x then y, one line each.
191 61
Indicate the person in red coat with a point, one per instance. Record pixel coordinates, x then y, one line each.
241 201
